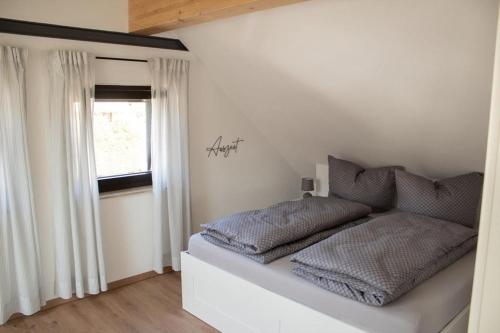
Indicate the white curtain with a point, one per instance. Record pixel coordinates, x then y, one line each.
77 229
169 160
20 273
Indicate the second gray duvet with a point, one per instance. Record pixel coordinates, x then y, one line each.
379 261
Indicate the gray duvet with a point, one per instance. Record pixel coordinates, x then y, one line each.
379 261
268 234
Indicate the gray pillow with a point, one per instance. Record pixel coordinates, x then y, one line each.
373 187
453 199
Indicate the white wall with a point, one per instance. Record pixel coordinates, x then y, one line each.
92 14
485 301
127 234
256 176
379 82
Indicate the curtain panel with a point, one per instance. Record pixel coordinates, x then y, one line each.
77 228
20 271
169 160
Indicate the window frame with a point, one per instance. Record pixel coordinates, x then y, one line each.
126 94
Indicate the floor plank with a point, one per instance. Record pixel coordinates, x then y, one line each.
152 305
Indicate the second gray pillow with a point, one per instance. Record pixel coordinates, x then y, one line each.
453 199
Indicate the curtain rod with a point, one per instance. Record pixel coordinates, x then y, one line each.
121 59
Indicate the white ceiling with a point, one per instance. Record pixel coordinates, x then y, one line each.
380 82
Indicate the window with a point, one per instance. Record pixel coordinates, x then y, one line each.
122 127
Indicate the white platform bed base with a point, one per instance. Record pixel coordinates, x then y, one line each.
232 304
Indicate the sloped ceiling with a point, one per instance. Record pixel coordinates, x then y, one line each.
379 82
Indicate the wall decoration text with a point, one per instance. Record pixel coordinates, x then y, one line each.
219 148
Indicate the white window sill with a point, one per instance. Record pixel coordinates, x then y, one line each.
121 193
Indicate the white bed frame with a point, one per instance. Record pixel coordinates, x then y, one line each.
232 304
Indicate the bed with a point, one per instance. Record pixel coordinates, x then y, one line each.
235 294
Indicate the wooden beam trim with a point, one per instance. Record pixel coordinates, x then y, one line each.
182 12
199 7
156 16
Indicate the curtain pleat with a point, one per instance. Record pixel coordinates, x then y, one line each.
20 270
169 160
77 228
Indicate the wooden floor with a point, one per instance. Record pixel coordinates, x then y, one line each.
152 305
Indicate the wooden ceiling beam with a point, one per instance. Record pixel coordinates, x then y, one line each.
154 16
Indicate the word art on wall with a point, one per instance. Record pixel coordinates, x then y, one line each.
219 148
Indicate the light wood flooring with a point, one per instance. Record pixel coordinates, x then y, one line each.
152 305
